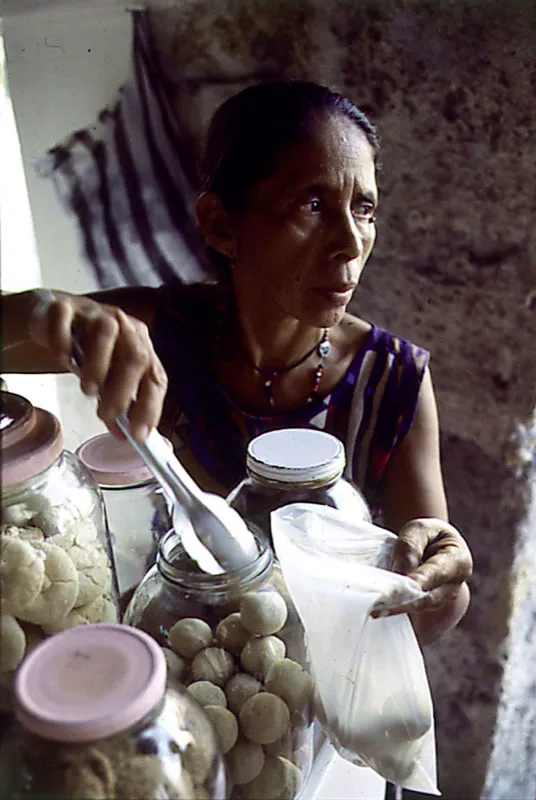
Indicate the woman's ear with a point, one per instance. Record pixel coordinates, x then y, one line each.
215 224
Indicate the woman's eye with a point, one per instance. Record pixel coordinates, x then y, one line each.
312 205
365 212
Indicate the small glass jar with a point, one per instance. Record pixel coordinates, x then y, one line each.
94 718
294 465
236 642
57 567
136 506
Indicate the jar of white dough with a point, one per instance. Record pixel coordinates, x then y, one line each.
56 567
136 506
235 641
295 465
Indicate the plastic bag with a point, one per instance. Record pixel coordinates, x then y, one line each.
373 698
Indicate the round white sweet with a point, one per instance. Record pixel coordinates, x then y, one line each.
269 783
291 682
101 609
264 718
239 689
263 613
188 636
176 666
293 778
22 572
12 643
207 694
244 761
225 725
259 654
231 634
213 664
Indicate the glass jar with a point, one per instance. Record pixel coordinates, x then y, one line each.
237 644
135 503
294 465
93 718
56 569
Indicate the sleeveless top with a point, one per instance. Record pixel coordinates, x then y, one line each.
370 410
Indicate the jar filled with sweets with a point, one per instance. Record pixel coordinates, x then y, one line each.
294 465
236 643
56 567
135 504
95 719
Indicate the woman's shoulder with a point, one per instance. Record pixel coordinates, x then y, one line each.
359 335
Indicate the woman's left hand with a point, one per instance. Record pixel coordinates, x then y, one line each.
435 554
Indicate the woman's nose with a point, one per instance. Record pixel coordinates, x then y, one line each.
347 237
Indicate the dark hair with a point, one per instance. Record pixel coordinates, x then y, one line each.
251 129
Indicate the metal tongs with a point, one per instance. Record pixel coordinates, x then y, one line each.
212 533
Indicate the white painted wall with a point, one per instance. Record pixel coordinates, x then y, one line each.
65 61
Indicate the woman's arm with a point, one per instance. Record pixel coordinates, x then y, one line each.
428 549
120 365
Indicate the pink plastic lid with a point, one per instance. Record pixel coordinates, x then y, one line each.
31 439
114 462
89 682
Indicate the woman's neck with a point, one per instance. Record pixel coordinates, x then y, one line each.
273 340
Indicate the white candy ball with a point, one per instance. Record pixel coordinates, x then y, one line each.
225 725
231 634
213 664
259 654
264 718
291 682
244 761
188 636
207 694
263 613
239 689
176 666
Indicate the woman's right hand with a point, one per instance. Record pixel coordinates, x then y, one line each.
119 365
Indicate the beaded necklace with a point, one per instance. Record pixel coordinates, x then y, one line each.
322 348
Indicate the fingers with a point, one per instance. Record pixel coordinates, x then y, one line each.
433 553
119 363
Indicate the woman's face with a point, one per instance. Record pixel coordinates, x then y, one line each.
301 244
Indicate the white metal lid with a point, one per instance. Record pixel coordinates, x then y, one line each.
89 682
296 455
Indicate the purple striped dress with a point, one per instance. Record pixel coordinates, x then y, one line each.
370 410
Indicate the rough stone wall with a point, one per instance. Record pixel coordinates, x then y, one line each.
452 88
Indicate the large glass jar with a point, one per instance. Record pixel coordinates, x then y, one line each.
294 465
94 719
237 644
135 503
56 567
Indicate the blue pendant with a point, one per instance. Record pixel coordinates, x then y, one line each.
324 348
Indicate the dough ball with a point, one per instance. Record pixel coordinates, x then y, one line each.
239 689
188 636
59 591
22 574
12 643
264 718
18 514
225 725
28 534
282 746
259 654
244 761
293 779
269 783
291 682
176 667
197 761
143 777
102 609
263 613
231 634
66 518
213 664
207 694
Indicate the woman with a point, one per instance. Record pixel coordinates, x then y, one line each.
288 211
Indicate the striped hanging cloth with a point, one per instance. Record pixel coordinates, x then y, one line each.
129 182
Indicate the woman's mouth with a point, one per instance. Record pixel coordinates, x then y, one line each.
336 295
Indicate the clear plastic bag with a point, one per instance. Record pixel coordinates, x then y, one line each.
373 698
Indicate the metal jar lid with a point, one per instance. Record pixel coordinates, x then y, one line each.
31 439
296 456
89 682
